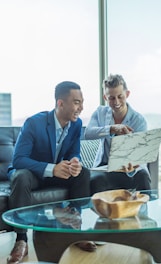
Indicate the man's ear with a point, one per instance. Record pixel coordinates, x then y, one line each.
59 102
127 93
104 97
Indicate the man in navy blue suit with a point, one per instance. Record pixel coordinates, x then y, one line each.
47 153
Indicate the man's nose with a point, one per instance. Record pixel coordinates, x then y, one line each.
80 107
116 101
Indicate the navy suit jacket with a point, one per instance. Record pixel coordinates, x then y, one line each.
36 143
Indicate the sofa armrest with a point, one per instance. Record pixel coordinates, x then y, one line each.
154 173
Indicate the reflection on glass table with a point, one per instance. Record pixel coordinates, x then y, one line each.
72 214
59 224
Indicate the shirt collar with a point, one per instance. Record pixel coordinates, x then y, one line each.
58 126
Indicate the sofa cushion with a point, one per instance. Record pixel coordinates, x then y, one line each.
49 195
5 188
88 152
46 195
3 171
8 136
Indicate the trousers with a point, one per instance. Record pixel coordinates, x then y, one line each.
103 181
24 181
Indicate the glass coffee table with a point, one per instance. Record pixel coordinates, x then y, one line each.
59 224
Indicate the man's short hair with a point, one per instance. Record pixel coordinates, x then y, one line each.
113 81
62 90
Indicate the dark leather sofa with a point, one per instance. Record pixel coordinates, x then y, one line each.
8 136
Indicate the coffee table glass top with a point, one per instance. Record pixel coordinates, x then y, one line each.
78 215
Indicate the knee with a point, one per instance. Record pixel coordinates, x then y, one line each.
21 177
85 174
97 183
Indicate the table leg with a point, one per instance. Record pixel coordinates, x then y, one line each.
49 246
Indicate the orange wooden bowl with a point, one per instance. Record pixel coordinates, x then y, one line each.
118 203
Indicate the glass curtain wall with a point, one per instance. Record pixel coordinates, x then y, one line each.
44 42
134 50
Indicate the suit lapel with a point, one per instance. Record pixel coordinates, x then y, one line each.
51 132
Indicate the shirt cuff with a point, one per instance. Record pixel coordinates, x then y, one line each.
131 174
112 135
49 170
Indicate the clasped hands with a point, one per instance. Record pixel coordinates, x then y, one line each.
66 168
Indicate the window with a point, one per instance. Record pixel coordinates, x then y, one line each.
5 109
134 50
44 42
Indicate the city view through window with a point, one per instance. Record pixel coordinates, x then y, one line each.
134 50
44 42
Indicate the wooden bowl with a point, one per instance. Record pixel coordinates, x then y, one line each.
118 203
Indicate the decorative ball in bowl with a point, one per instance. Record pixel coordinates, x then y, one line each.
118 203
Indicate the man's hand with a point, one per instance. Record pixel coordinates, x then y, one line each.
129 168
120 129
61 170
75 167
66 169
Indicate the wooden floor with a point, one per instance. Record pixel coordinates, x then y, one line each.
7 241
110 253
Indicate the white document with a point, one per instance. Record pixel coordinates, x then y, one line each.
135 148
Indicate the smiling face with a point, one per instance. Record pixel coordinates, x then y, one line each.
69 108
116 98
